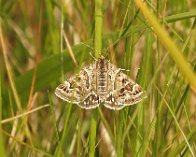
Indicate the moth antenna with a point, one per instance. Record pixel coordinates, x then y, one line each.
107 53
93 56
90 52
87 46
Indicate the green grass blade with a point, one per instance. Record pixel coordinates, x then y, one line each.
58 151
55 124
180 16
98 27
93 132
167 42
146 141
176 121
2 150
18 141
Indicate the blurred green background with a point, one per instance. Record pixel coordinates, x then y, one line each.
35 58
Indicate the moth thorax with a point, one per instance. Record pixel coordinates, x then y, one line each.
102 64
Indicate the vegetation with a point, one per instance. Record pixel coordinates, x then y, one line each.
42 43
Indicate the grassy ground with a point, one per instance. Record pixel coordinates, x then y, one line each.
44 42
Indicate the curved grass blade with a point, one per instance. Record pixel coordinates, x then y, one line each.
167 42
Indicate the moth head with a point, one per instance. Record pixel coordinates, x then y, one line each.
101 57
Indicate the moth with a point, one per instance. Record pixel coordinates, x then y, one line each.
101 83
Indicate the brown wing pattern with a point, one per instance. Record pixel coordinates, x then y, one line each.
126 92
77 90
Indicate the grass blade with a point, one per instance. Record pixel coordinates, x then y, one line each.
98 27
93 132
176 121
2 150
167 42
180 16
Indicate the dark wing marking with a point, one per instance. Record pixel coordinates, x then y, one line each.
77 90
90 102
111 102
126 92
